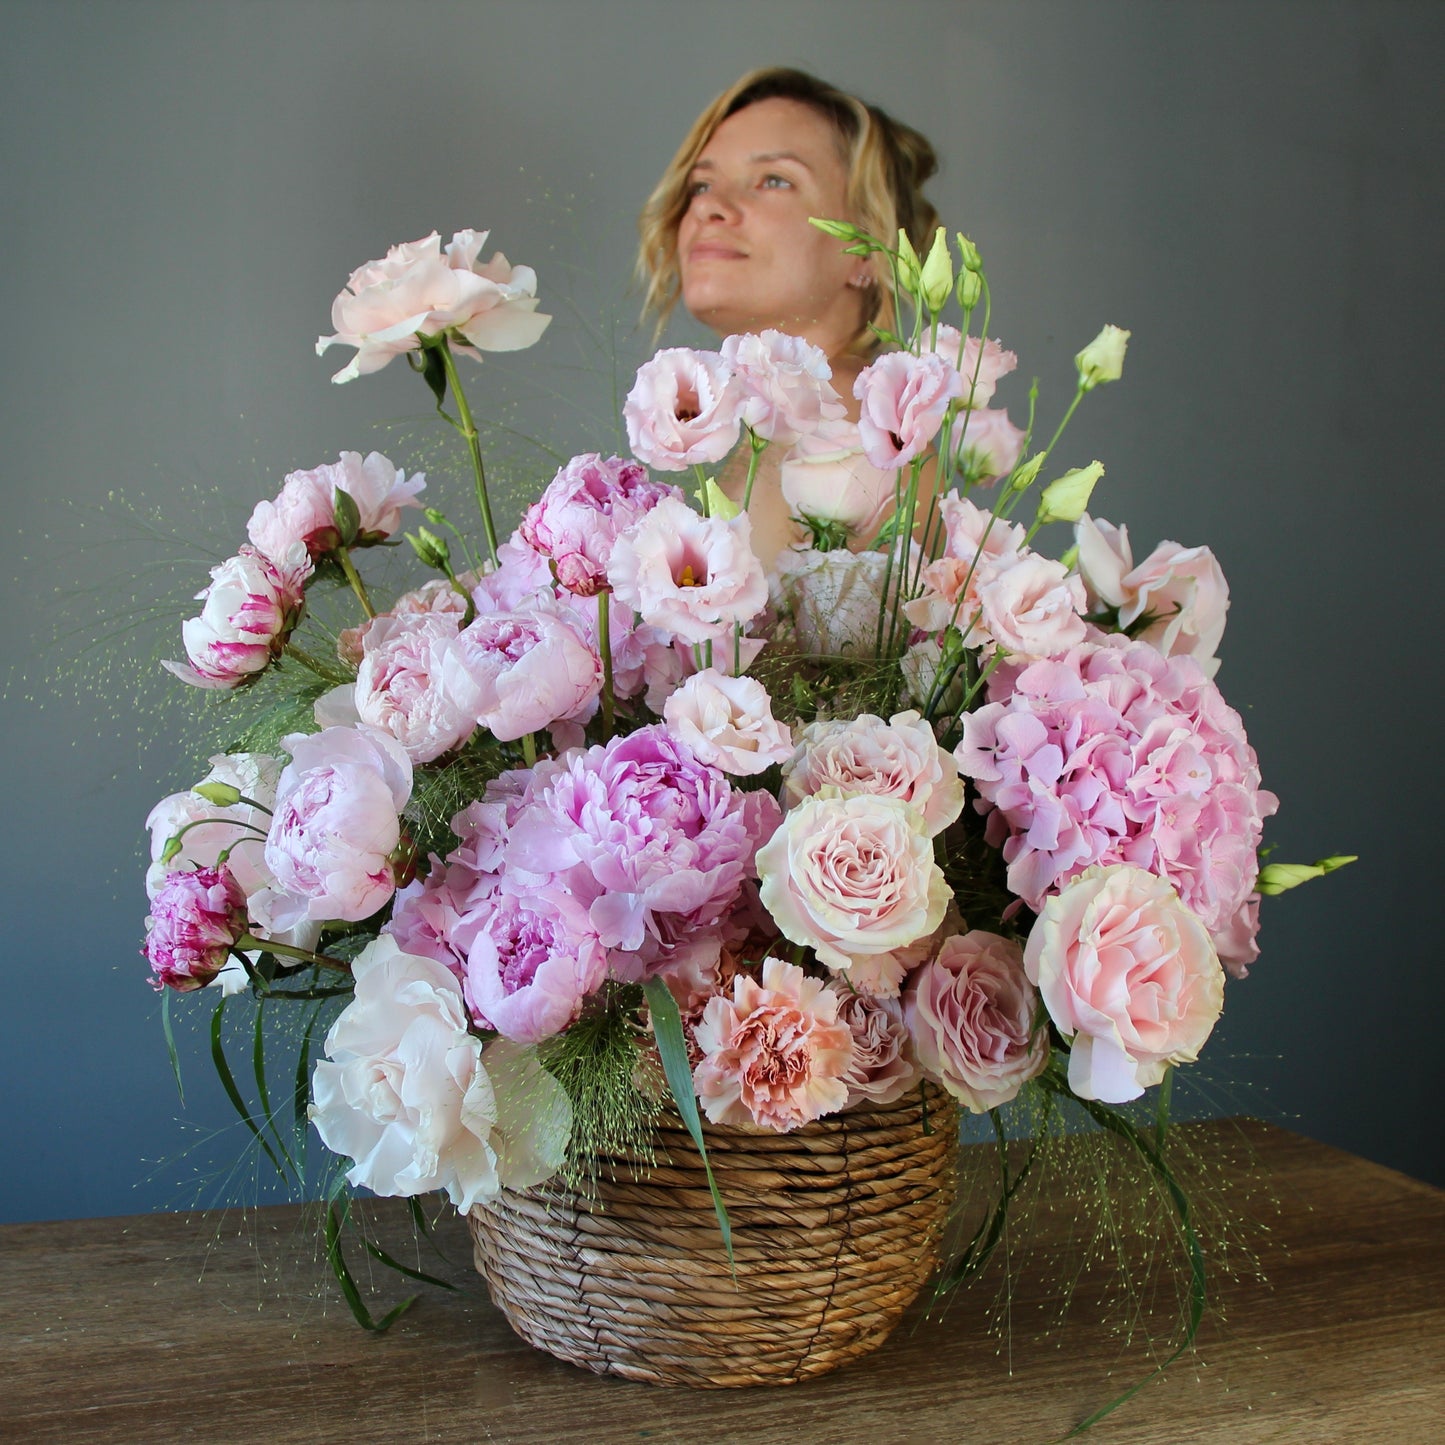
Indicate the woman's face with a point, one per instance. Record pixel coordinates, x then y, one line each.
747 256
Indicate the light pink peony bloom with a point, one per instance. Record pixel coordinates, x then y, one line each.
980 373
197 917
399 685
904 398
417 290
728 723
689 575
776 1053
899 759
437 595
683 409
305 509
251 606
786 384
971 1014
1032 606
1128 974
828 478
336 825
587 506
988 445
409 1095
1181 588
852 876
883 1067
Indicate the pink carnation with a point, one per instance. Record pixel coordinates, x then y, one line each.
904 399
196 919
683 409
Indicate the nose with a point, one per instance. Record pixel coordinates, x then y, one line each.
717 203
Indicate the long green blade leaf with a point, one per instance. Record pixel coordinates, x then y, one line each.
171 1043
228 1082
258 1067
336 1216
377 1252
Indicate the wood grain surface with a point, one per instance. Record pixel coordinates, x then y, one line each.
228 1327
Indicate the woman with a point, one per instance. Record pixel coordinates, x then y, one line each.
726 231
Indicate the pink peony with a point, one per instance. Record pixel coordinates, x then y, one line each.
588 505
305 509
419 290
883 1067
904 398
1127 973
826 477
693 576
980 363
785 384
683 410
728 723
251 606
775 1054
197 918
851 876
399 684
971 1014
437 595
988 445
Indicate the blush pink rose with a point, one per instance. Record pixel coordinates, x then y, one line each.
971 1014
728 723
786 384
775 1054
850 876
399 685
826 477
683 410
1129 975
904 398
980 363
989 446
1032 606
883 1067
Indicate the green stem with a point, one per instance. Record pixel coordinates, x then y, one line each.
249 942
757 446
468 429
529 749
343 555
299 654
604 646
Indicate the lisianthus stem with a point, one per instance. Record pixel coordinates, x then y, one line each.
756 447
604 646
529 749
468 429
343 555
249 942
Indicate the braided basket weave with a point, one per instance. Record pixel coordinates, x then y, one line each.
836 1226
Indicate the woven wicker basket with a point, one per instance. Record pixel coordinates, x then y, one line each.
836 1226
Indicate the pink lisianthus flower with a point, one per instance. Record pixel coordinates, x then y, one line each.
774 1054
418 290
336 827
1129 975
305 509
251 606
883 1067
197 918
981 364
693 576
828 478
989 446
904 398
971 1014
899 759
786 384
587 506
728 723
399 685
972 533
683 410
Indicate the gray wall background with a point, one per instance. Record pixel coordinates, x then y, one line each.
1253 188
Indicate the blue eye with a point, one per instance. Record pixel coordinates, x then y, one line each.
776 182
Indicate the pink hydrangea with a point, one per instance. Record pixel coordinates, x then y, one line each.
904 399
683 410
786 384
196 919
775 1054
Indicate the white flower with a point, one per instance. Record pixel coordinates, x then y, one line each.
1103 358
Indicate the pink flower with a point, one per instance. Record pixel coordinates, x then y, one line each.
418 290
728 723
251 606
827 478
883 1068
683 409
850 876
786 384
980 373
1032 605
438 595
399 684
989 445
972 533
196 919
904 398
899 759
971 1014
305 509
775 1054
336 825
1127 973
587 506
689 575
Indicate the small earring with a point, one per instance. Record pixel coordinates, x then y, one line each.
862 282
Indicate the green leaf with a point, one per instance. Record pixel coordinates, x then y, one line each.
171 1043
434 373
672 1047
258 1067
378 1253
348 517
228 1083
336 1217
302 1094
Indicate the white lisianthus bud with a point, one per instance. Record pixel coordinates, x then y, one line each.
908 268
431 548
936 277
841 229
1277 878
1026 473
1103 358
968 253
223 795
1067 498
970 288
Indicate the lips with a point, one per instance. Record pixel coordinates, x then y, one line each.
714 251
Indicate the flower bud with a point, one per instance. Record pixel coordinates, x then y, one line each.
432 549
936 278
348 516
1276 878
907 263
1103 358
970 288
223 795
716 502
968 253
1067 498
840 229
1026 473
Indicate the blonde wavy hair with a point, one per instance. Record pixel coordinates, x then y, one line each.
887 163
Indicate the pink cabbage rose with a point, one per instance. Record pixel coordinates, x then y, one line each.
826 477
786 384
904 398
971 1014
251 606
775 1053
399 685
899 758
689 575
336 825
728 722
849 876
683 410
883 1067
418 289
988 445
1032 606
409 1095
980 363
1129 975
196 919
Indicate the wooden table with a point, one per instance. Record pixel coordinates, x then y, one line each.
228 1327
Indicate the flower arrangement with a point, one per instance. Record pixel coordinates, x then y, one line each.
606 811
